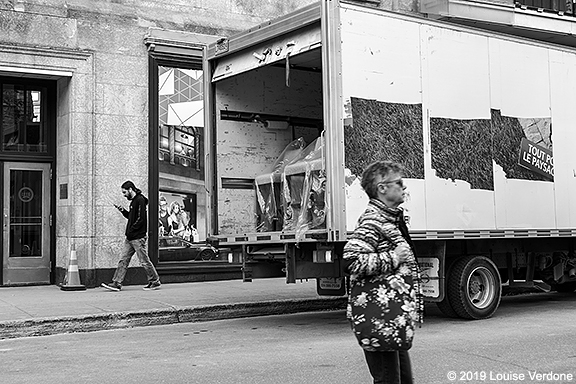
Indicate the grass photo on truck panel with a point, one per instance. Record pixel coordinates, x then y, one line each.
462 150
508 133
385 131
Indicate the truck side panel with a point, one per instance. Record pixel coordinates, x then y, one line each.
520 88
459 94
478 96
563 94
381 62
455 70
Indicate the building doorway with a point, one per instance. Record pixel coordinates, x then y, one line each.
27 148
26 226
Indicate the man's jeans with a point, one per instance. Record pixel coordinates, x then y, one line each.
137 246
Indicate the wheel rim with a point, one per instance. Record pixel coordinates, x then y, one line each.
206 255
480 288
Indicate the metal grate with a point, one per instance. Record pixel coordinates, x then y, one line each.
561 7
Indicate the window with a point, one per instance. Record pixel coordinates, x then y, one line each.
178 120
178 156
178 145
23 117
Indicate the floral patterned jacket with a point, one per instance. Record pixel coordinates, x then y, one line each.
369 256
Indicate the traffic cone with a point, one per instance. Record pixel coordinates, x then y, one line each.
72 280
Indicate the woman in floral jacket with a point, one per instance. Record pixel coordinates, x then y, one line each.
380 249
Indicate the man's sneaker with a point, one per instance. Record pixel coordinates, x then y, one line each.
152 286
113 286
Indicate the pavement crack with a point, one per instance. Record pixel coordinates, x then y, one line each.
21 310
489 358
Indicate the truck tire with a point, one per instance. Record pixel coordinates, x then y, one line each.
474 287
444 306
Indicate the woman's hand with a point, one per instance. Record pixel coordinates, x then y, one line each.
403 252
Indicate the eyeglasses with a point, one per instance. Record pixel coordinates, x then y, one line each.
398 182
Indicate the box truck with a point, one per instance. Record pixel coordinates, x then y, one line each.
483 123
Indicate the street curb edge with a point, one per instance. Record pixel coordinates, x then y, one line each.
119 320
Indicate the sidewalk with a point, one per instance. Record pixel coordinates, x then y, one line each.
45 310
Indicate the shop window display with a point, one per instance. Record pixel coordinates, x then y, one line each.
182 192
178 237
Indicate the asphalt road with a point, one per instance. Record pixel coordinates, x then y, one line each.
530 335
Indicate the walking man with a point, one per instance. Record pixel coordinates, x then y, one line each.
136 239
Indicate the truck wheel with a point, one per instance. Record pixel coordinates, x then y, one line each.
474 287
444 306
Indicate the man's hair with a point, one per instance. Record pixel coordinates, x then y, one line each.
371 173
128 184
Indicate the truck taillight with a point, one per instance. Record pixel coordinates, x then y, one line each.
322 256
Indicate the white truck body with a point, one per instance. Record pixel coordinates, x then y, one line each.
468 112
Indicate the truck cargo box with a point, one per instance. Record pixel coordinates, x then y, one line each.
453 105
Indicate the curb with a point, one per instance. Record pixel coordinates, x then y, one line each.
120 320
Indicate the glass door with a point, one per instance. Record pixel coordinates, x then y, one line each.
26 226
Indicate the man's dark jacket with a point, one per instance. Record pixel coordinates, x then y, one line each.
137 226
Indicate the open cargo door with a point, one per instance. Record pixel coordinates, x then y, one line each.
268 89
278 51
